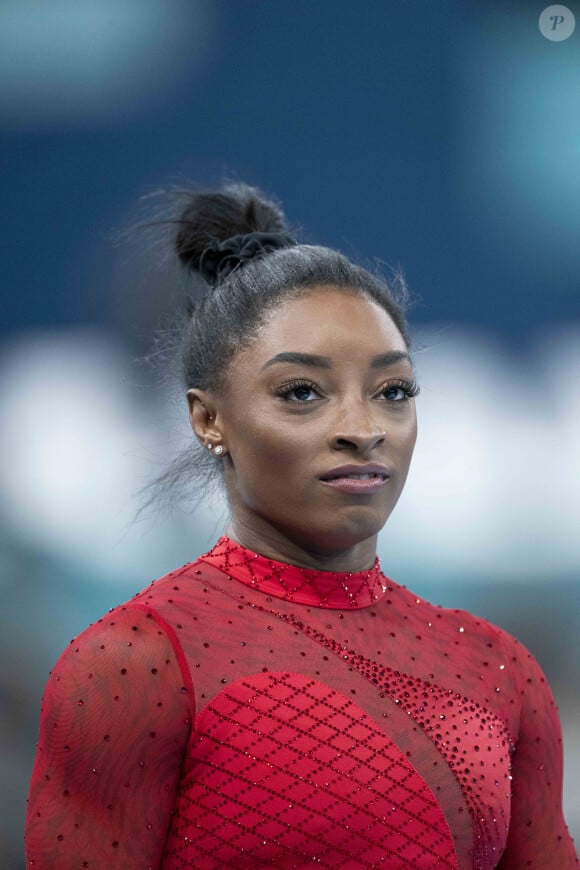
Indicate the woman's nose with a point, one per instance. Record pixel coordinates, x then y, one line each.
356 430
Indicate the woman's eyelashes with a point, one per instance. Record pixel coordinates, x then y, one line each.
399 391
299 391
304 392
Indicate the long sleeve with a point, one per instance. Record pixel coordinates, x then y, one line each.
339 720
538 836
115 720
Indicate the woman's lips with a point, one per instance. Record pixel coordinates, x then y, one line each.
362 479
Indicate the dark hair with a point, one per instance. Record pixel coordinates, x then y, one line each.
228 315
226 309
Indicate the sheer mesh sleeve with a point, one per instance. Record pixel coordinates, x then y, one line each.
115 720
538 836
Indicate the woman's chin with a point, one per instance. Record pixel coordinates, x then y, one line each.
340 538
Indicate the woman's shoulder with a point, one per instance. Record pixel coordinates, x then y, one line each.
485 653
457 627
154 615
467 627
141 628
184 592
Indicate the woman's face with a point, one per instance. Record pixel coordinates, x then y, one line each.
318 421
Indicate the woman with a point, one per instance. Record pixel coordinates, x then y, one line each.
280 702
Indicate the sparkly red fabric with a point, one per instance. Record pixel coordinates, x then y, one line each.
242 713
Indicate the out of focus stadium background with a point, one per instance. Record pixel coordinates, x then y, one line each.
440 138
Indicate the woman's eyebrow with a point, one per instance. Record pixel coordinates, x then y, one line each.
323 362
390 358
305 359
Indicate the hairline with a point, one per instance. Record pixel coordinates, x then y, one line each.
290 293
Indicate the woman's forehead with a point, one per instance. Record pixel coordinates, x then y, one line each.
329 321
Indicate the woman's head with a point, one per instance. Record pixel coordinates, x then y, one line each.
227 316
296 362
317 425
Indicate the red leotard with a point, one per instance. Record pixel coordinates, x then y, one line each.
241 713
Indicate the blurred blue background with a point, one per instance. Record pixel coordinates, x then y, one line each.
442 139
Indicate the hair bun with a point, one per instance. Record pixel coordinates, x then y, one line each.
221 258
209 219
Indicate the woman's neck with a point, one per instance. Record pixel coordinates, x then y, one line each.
269 541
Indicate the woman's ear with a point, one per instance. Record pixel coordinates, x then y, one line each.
203 417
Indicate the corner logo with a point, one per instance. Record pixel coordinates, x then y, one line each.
557 23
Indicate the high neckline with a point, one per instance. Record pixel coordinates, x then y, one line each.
339 590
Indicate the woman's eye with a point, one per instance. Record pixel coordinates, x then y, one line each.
395 394
299 393
400 392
